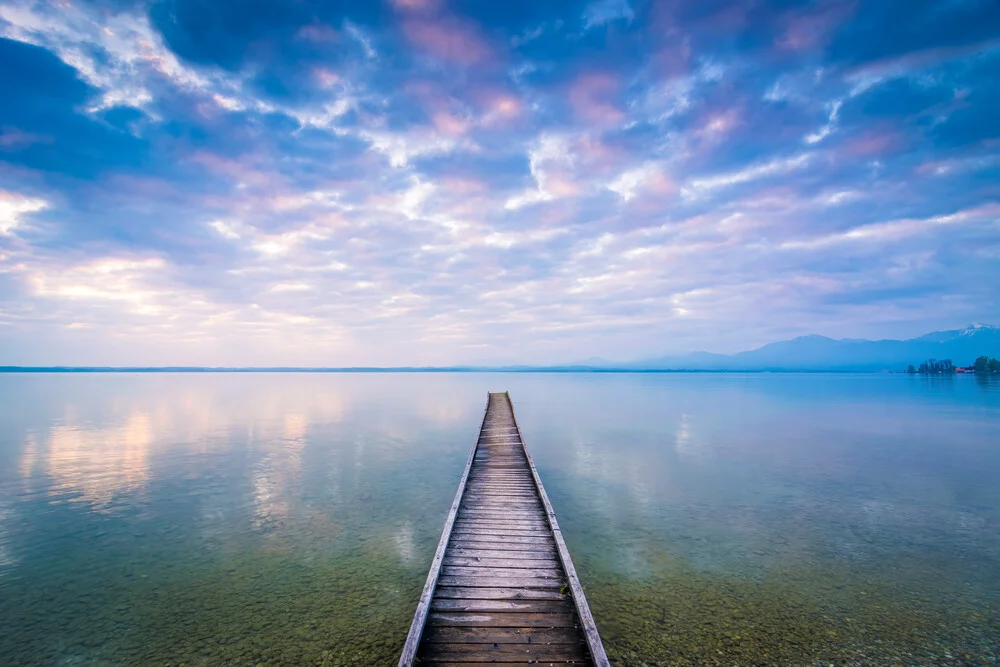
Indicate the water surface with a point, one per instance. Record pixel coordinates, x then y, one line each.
290 518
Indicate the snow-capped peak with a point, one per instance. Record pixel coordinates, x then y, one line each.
975 328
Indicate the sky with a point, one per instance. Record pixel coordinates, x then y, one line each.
433 182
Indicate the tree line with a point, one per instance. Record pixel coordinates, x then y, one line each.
983 366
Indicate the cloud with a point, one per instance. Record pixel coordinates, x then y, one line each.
592 97
607 11
428 182
700 186
647 178
13 208
115 56
898 229
449 40
823 132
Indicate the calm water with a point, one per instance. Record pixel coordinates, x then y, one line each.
290 519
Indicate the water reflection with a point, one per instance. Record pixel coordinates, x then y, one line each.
98 461
7 560
405 542
277 476
684 444
30 456
290 518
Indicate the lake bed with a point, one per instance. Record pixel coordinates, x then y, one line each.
290 518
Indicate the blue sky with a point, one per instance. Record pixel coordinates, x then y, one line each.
450 181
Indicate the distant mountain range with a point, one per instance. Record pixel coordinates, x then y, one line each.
819 353
805 353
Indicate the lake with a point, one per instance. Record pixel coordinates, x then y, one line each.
266 518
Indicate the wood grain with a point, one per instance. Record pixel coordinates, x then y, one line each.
502 588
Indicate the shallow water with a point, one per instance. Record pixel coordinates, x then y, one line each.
290 518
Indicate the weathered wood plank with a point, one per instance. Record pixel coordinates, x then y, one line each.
501 619
532 521
508 563
473 491
445 634
526 527
497 501
508 511
463 663
530 606
472 571
495 484
497 524
502 592
500 490
475 528
531 653
501 502
534 553
505 528
492 543
483 533
500 528
509 515
501 474
500 582
469 593
501 487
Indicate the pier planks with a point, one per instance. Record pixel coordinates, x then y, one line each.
502 587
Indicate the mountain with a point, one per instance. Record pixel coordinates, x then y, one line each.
819 353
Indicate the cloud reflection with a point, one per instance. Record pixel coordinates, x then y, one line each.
278 476
98 462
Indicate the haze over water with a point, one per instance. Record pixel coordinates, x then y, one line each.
713 518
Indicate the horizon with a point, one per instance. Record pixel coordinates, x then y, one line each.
441 183
592 364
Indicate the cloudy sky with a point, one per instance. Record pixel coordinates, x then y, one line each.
448 181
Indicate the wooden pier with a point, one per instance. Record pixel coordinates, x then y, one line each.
502 587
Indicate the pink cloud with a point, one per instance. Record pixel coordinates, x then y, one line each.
446 114
918 59
561 186
874 144
507 105
449 40
325 78
716 124
592 98
810 31
672 61
503 108
496 105
416 5
599 156
237 170
463 185
935 167
449 124
12 139
660 185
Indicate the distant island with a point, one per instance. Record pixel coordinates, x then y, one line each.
983 366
